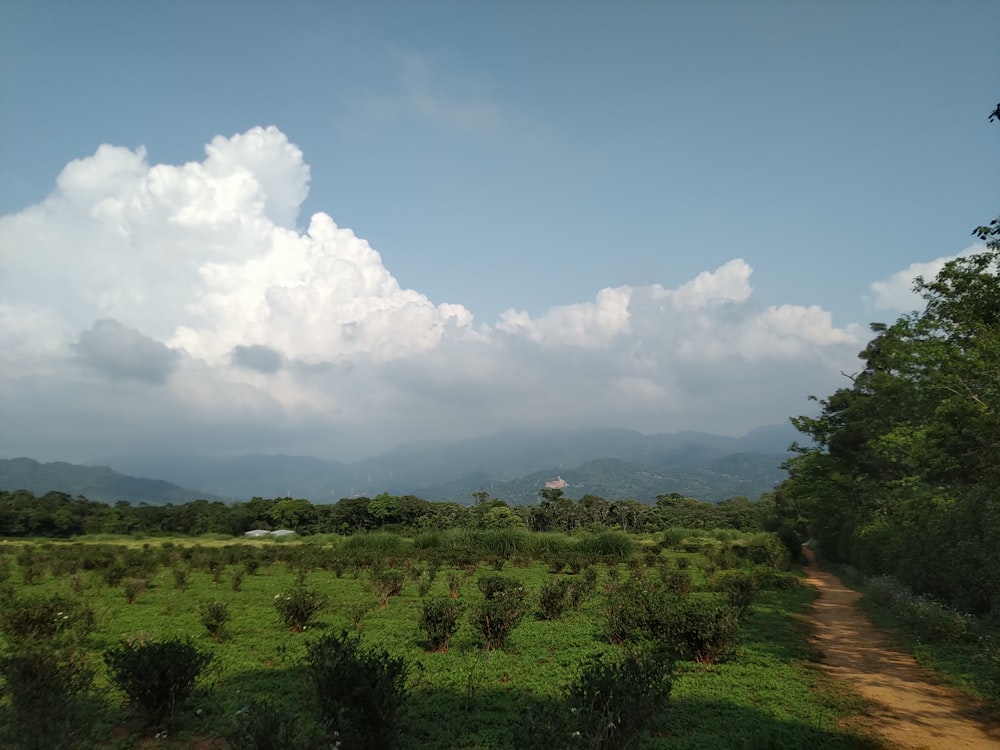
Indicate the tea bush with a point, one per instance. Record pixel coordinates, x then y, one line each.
552 598
157 677
500 611
262 725
610 706
298 607
214 615
439 621
704 628
360 692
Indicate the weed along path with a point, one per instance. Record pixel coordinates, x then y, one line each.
910 711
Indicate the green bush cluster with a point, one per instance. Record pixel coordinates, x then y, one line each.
298 607
439 621
156 677
360 692
500 611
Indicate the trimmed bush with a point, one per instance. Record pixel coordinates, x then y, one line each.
500 611
157 678
439 620
552 598
613 703
41 621
298 607
214 615
42 687
737 586
610 706
387 584
261 725
704 628
359 692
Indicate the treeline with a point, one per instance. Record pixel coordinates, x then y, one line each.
60 515
904 474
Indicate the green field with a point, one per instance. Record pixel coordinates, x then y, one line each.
767 693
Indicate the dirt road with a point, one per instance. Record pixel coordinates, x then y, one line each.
911 710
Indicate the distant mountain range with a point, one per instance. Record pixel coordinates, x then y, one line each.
513 466
93 482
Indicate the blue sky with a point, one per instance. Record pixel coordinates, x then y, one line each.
506 160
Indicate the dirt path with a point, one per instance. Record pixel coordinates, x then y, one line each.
911 710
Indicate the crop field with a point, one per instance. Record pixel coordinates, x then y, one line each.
723 615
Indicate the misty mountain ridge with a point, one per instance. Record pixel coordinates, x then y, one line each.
100 483
511 465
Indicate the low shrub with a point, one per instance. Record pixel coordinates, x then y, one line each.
552 598
180 578
132 587
357 612
360 692
214 615
298 607
610 706
704 628
500 611
156 677
45 621
439 621
387 584
921 616
262 725
42 687
738 586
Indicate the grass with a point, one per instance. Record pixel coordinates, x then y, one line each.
770 696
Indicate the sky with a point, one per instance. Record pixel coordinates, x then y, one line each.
329 228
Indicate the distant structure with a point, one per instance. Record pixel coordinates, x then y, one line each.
259 533
556 484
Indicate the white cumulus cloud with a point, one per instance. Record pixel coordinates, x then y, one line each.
149 307
896 292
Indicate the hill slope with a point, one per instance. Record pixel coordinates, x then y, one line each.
93 482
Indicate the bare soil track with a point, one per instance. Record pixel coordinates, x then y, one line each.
909 709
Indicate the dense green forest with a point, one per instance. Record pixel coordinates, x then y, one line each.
59 515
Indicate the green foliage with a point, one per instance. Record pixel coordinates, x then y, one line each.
44 667
904 459
264 725
614 701
704 628
612 545
924 618
500 611
132 587
634 609
610 706
298 607
156 677
214 615
552 598
43 687
387 584
360 692
439 621
737 586
30 621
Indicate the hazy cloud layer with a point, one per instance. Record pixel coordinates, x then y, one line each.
160 307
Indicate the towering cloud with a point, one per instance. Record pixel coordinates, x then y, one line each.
181 303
